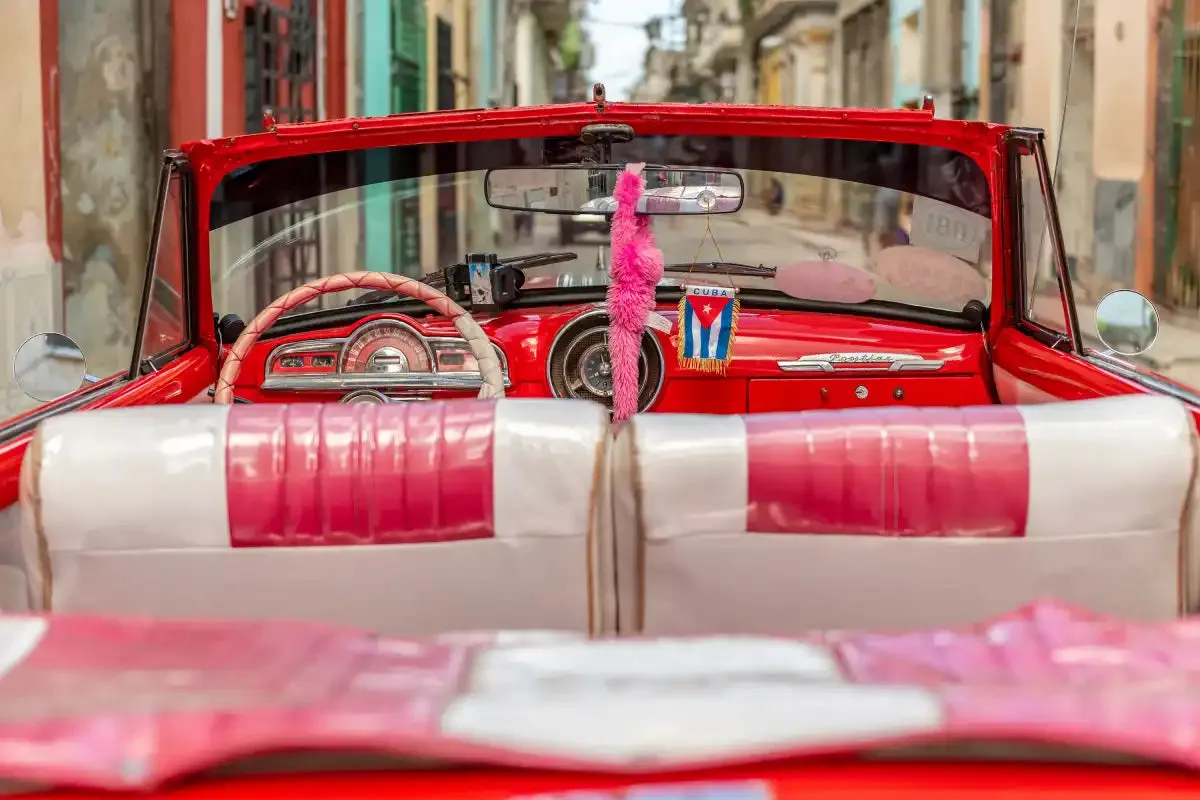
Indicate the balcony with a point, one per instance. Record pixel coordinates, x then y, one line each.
773 13
552 15
718 50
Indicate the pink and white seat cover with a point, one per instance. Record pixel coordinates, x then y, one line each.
902 517
405 519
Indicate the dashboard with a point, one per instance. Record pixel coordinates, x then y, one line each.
382 359
783 361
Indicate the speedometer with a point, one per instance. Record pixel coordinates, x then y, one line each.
386 348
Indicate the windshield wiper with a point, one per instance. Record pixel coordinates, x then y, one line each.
438 279
520 262
727 267
539 259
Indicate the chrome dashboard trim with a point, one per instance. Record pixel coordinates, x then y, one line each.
337 381
861 362
312 346
421 381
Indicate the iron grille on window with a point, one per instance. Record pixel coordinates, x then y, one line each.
865 85
408 94
445 65
447 203
280 67
408 56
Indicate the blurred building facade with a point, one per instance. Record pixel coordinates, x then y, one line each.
661 79
1128 198
101 87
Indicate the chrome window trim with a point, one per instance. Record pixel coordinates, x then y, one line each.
55 407
1128 370
1034 140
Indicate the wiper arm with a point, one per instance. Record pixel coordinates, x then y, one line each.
539 259
438 279
529 261
727 267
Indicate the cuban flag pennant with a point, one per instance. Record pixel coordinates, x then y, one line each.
708 320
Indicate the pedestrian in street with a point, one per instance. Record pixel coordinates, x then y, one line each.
885 219
775 196
523 225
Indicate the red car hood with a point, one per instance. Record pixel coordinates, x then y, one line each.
131 704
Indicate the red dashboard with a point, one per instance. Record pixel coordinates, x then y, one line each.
783 360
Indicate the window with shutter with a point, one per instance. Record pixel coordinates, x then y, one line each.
408 94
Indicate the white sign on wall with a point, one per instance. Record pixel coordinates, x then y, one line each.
948 229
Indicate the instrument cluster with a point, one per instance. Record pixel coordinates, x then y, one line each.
383 360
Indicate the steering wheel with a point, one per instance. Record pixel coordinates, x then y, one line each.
485 355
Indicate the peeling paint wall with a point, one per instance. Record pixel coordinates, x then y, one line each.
29 288
106 205
1115 239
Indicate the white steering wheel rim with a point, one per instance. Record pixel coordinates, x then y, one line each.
490 372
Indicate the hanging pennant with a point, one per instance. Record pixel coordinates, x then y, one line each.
708 320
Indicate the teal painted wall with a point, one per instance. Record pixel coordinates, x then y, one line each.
377 102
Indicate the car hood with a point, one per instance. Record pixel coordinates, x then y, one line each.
562 700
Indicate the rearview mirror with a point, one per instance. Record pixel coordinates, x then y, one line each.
588 189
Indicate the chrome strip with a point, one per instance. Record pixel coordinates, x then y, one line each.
24 425
1152 381
312 346
861 362
419 381
1065 287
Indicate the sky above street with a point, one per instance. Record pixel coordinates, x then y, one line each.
620 47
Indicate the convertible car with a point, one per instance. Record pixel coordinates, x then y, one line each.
682 453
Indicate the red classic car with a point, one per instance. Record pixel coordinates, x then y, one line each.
741 416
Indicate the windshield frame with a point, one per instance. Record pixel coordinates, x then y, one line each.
213 160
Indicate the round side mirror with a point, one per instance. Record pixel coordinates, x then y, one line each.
1126 322
48 366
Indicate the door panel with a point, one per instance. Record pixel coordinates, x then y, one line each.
1028 371
1042 356
179 382
1060 375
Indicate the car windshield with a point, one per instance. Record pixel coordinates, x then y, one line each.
842 221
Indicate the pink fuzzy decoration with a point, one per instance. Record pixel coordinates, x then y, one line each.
635 268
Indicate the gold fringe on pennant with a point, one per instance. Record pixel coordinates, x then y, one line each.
717 365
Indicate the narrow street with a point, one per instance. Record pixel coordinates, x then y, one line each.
748 237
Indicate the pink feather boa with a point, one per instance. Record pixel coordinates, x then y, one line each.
635 269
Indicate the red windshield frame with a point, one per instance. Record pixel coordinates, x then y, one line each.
213 159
